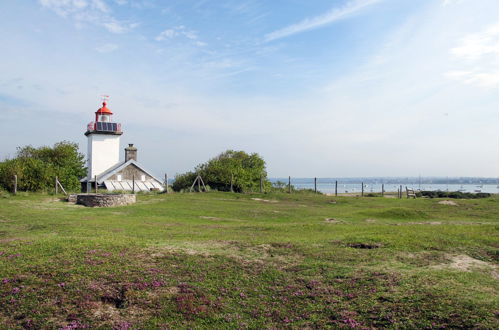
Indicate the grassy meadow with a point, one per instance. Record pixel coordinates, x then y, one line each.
221 260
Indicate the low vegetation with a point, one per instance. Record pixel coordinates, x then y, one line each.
37 168
222 260
235 171
452 194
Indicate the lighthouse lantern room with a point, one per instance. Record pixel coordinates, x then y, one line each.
103 142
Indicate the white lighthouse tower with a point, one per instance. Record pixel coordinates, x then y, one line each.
103 143
105 171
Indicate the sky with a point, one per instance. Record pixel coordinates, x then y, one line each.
338 88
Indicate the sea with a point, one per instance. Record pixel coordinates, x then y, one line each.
327 186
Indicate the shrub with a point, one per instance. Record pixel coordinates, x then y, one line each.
242 169
452 194
36 168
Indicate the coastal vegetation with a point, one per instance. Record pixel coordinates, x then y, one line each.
231 170
222 260
36 168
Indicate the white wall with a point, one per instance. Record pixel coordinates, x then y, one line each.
103 153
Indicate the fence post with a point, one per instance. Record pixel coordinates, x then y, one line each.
315 185
56 190
231 182
133 184
336 188
362 193
400 191
15 184
261 184
199 184
166 182
96 188
289 185
383 190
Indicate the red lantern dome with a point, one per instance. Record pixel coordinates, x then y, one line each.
104 110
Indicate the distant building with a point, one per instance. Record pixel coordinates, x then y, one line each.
104 167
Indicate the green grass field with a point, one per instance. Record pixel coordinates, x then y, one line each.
222 260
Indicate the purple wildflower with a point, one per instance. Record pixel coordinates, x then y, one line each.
157 284
61 285
154 270
351 323
5 281
74 325
15 290
122 326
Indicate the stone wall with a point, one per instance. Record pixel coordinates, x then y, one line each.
105 200
72 198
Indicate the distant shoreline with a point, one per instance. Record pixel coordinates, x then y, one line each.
392 180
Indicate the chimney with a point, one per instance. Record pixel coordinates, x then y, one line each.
130 153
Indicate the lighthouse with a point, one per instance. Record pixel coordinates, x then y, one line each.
105 171
103 142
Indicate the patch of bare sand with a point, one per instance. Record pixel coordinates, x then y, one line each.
264 200
210 218
108 314
432 223
333 220
219 219
370 220
466 263
450 203
246 254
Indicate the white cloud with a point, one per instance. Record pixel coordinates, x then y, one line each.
450 2
115 26
332 16
481 79
180 31
475 46
107 48
82 12
478 57
166 34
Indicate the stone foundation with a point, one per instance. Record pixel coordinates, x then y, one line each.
105 200
72 198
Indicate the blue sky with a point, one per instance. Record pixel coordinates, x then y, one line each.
318 88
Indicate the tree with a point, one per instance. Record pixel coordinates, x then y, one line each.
36 168
242 169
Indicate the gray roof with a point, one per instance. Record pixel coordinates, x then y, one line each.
128 185
117 168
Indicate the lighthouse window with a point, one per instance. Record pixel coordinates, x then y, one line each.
143 178
104 118
119 177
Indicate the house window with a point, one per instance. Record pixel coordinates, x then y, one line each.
142 178
119 177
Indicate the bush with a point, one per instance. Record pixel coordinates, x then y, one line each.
452 194
36 168
184 181
242 169
373 195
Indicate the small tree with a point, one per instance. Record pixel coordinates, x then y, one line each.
242 169
36 168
